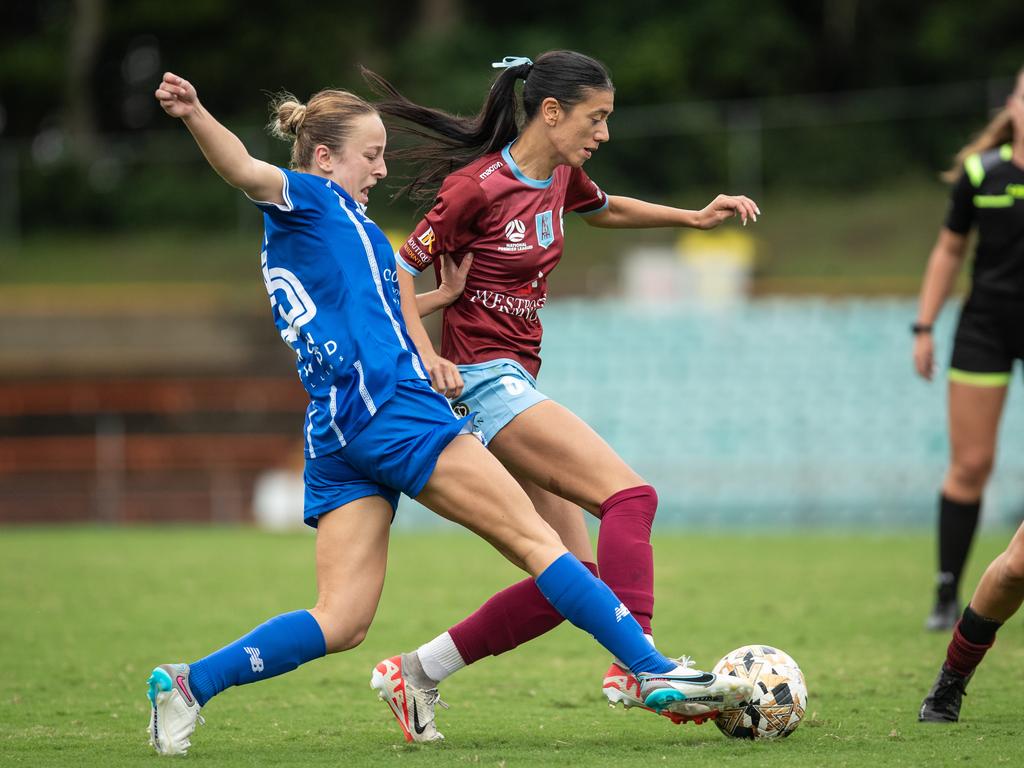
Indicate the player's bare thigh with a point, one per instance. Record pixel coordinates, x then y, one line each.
974 414
555 449
470 487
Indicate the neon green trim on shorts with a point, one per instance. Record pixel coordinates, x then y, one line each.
980 379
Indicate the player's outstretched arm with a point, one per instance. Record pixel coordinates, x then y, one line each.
222 149
628 212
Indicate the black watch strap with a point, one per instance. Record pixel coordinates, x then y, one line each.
919 328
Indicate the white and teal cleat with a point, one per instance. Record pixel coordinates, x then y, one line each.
173 711
691 693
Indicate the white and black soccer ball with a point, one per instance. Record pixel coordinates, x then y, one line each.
780 693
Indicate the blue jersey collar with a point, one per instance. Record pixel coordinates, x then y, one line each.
333 185
506 153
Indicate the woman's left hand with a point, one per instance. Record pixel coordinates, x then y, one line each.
726 206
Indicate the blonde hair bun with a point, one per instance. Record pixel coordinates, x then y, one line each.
289 116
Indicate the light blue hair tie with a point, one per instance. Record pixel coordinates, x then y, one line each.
511 61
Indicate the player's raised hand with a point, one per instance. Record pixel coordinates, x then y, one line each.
177 96
727 206
453 276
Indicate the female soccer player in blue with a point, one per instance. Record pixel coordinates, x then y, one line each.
988 192
373 428
501 193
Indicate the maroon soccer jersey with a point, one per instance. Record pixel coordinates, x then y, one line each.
513 226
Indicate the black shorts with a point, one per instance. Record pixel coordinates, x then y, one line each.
989 337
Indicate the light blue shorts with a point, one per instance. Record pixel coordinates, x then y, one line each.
495 392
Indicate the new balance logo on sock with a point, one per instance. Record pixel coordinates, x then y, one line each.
620 613
254 658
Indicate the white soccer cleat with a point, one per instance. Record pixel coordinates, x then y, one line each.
174 710
412 707
691 693
622 687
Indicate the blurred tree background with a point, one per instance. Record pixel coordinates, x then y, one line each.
811 106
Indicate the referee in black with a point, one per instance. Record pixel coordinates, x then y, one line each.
988 194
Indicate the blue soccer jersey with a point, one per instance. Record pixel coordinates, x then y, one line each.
330 274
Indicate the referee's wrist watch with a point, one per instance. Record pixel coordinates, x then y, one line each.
918 328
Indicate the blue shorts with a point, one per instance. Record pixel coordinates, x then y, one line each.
496 392
395 453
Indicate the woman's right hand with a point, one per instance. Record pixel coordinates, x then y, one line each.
444 376
453 277
177 96
924 355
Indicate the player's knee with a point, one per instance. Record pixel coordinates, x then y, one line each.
1012 572
342 631
972 469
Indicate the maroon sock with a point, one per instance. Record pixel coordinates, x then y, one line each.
624 554
509 618
962 656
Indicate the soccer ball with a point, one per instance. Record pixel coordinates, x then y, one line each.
780 693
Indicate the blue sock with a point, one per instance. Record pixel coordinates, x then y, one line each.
273 648
590 605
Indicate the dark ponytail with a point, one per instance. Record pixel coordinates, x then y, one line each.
449 142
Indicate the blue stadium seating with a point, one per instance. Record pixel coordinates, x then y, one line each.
772 412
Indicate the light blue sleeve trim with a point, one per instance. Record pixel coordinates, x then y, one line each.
285 193
607 202
406 266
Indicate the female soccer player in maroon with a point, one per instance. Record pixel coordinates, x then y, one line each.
989 191
501 194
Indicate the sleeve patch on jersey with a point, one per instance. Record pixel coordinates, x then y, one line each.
427 240
414 256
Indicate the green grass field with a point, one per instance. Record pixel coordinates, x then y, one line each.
87 612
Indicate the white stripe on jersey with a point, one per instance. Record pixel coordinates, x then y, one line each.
334 413
368 247
309 434
363 391
288 205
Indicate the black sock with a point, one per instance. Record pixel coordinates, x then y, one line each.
977 629
957 522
